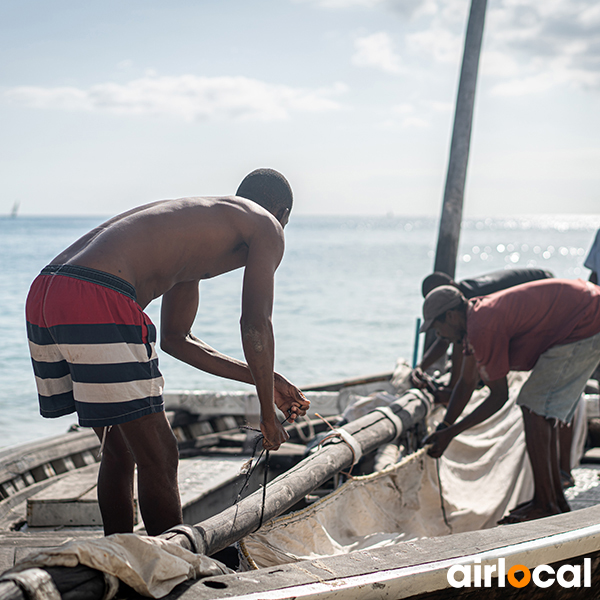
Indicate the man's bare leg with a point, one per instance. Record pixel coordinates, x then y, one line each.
559 490
541 448
565 441
153 447
115 482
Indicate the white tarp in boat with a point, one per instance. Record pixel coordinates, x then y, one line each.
484 473
150 565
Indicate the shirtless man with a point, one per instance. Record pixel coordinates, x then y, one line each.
92 346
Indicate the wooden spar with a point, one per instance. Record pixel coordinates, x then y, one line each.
336 386
370 431
234 523
449 232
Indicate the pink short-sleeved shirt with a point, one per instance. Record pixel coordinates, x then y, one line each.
510 329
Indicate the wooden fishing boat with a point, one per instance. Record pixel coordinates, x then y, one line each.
48 488
51 483
416 568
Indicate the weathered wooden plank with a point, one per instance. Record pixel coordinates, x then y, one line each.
45 538
72 500
210 404
336 386
14 509
70 488
14 461
199 476
7 559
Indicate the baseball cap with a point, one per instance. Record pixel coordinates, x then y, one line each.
438 301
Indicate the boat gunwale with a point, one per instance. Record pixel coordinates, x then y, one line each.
414 564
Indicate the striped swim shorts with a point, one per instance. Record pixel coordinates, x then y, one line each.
92 347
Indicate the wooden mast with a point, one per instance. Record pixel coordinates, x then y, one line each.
449 232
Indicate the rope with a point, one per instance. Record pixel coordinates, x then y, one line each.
264 494
248 469
305 437
345 437
437 464
105 431
395 420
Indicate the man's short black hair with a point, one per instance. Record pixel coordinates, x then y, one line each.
269 188
435 280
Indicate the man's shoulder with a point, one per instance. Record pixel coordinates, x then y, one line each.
233 211
501 280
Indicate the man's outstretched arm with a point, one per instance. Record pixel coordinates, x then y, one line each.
463 390
178 311
434 353
491 405
264 254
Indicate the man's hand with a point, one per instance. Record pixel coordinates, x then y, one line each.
273 434
439 441
417 378
289 399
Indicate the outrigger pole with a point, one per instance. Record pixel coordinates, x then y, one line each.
449 232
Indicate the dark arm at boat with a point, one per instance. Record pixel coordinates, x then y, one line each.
434 353
439 440
463 390
178 311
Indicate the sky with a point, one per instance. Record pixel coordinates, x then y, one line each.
109 105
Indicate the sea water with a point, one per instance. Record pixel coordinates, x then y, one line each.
347 296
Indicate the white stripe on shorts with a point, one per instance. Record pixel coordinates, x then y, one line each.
92 354
108 393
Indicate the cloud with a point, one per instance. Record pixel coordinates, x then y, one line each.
404 116
125 64
442 107
553 44
441 44
376 50
403 109
525 42
344 3
407 8
187 96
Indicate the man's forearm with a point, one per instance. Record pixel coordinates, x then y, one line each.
259 349
494 402
434 353
461 394
200 355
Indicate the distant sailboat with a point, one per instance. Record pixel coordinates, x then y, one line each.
15 209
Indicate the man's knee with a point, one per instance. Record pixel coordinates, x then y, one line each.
152 441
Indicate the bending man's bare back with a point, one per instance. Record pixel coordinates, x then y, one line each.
164 249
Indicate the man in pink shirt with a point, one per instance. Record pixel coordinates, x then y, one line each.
549 327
